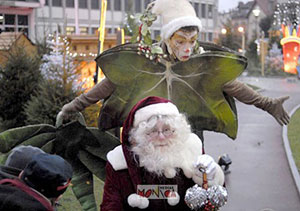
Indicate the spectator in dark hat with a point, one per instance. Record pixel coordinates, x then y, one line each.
48 174
21 156
44 179
17 160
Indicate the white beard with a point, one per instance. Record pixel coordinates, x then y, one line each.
181 151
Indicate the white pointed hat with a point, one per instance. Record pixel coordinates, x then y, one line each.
175 14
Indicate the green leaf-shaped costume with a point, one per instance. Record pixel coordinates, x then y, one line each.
195 86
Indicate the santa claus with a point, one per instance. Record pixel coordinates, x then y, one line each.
158 150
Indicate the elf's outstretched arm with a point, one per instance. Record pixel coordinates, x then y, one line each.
247 95
99 92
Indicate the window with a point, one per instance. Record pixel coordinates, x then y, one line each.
108 7
128 5
203 36
74 48
156 33
9 29
138 6
23 20
46 2
210 11
83 30
56 3
94 30
210 36
24 30
146 3
109 31
70 3
11 23
117 5
82 3
9 19
70 30
203 10
95 4
196 6
87 47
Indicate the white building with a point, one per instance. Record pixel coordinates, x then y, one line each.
38 18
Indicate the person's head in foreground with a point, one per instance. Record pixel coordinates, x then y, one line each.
37 182
158 148
48 174
181 26
20 156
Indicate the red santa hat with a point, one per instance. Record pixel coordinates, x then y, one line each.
146 108
175 14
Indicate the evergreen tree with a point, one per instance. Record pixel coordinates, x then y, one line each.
19 78
274 61
60 84
265 24
253 59
47 102
131 26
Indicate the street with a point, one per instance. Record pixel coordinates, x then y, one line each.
260 178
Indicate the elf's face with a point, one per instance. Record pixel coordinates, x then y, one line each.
182 44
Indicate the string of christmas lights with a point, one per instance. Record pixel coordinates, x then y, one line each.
63 40
287 14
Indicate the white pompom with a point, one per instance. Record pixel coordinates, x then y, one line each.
173 198
170 173
144 202
135 200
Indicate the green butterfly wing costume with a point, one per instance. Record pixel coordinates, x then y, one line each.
195 86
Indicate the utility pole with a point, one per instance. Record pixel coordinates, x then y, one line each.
77 31
101 31
262 53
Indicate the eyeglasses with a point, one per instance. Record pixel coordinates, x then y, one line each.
155 132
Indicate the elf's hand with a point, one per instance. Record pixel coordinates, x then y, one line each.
66 112
277 111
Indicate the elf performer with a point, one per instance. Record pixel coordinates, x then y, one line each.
179 34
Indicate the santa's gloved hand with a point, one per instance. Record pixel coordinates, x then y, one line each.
205 163
277 111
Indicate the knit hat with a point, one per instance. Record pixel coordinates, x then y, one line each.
48 174
175 14
21 156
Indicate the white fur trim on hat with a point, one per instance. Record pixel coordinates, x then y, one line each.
117 159
175 14
170 28
173 198
146 112
135 200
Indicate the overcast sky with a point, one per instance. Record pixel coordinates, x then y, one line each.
225 5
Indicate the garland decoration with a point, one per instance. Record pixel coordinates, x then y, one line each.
146 46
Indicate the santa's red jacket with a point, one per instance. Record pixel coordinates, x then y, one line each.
119 184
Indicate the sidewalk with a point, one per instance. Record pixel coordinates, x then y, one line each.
260 177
